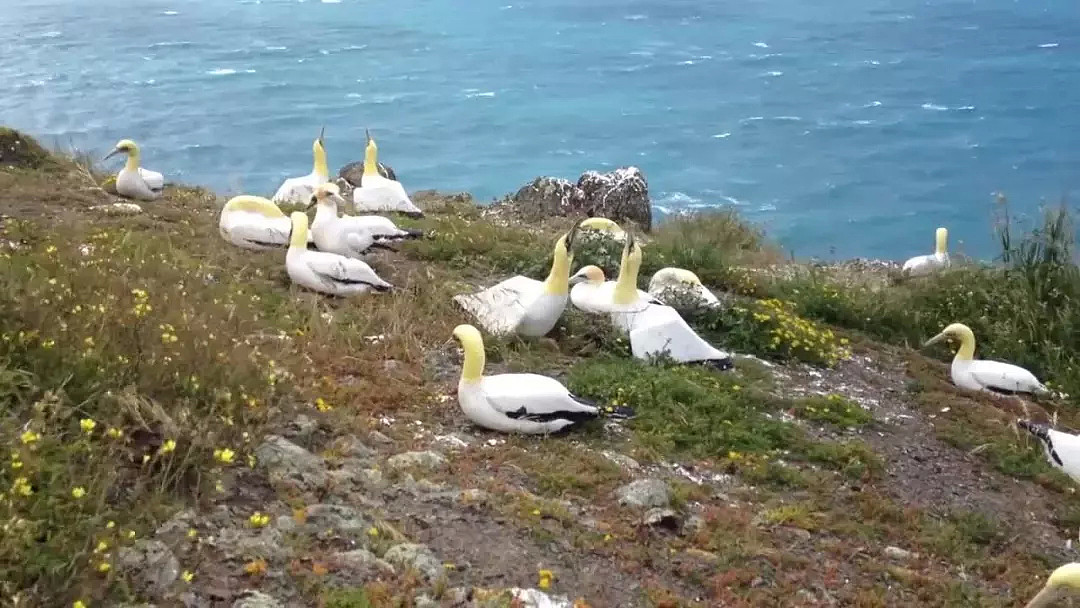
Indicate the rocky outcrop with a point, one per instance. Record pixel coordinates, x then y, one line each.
353 172
621 195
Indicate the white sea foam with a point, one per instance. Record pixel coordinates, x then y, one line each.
331 1
480 94
179 43
873 104
761 45
221 72
687 62
774 73
723 135
935 107
171 13
1049 45
635 17
276 48
767 207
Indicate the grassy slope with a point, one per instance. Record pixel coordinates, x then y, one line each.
134 349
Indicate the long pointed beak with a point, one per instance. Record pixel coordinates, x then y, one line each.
936 338
321 132
314 201
368 135
577 278
1047 596
112 154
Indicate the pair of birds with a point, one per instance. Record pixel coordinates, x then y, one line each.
530 307
926 264
374 194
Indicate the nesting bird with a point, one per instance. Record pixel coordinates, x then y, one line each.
350 235
325 272
925 264
133 181
377 193
980 375
523 305
253 222
298 190
518 403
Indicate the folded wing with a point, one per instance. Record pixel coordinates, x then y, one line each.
501 307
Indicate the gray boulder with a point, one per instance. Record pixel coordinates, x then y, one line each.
289 465
152 565
418 557
354 172
621 195
644 493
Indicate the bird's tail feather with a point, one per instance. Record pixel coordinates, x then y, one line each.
620 413
1039 430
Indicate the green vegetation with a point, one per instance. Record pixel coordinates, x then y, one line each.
834 409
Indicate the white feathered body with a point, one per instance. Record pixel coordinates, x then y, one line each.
925 264
522 403
976 374
140 184
298 190
378 194
598 299
517 305
339 235
661 329
253 230
331 274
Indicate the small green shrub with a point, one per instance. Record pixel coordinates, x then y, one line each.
834 409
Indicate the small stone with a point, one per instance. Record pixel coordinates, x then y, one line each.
425 601
418 557
644 493
285 523
257 599
351 447
290 465
898 554
244 543
153 565
301 428
362 561
473 496
333 519
661 517
429 461
622 460
176 528
378 438
693 525
702 555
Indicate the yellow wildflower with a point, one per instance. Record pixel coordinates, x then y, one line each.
187 576
373 531
192 533
87 425
546 576
110 525
104 567
114 433
258 520
21 485
78 492
29 437
80 604
168 446
101 547
224 455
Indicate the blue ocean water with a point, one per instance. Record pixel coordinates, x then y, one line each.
847 128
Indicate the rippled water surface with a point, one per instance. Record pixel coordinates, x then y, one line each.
848 128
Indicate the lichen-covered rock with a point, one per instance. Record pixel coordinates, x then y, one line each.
353 172
257 599
327 519
152 566
248 544
176 528
289 465
429 461
644 493
620 195
418 557
359 565
300 428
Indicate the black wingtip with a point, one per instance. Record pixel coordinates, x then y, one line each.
1039 430
720 365
412 233
620 413
414 214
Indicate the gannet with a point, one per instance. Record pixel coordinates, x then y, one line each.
603 224
350 235
653 327
376 193
681 283
925 264
1063 582
592 294
253 222
523 305
298 190
1061 449
324 272
133 181
517 403
980 375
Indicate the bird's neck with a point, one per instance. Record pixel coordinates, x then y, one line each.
939 244
325 212
473 368
320 168
626 284
132 160
558 280
371 160
966 352
298 239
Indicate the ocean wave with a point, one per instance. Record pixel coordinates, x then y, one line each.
635 17
873 104
228 71
723 135
275 48
677 199
175 43
331 1
170 13
470 95
773 73
761 45
1049 45
940 108
767 207
687 62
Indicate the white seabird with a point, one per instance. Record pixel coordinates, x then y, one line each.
1062 583
517 403
682 284
350 235
523 305
1061 449
324 272
254 222
133 181
653 328
925 264
298 190
377 193
981 375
